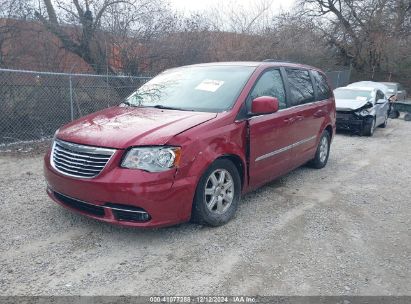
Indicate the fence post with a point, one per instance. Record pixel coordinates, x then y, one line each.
338 79
71 99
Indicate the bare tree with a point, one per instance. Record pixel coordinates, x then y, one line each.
364 31
292 37
86 37
11 11
234 17
133 36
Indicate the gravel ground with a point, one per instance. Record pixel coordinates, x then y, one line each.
344 229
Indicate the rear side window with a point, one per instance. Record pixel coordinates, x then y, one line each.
320 82
301 88
269 84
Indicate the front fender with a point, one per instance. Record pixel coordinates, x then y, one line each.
204 151
201 149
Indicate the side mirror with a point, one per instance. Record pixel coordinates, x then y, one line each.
369 104
264 105
380 101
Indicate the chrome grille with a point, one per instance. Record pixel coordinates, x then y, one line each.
79 160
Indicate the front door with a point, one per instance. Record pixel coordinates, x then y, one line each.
270 135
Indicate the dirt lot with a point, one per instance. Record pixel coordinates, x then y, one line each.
344 229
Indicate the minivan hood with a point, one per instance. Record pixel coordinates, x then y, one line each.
349 104
122 127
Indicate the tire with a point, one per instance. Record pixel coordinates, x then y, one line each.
384 124
323 151
369 128
215 205
394 114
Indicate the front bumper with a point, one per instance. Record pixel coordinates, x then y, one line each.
351 122
160 198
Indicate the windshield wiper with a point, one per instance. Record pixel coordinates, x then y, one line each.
156 106
169 108
128 103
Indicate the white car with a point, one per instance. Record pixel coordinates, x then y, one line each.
361 109
396 89
385 88
372 84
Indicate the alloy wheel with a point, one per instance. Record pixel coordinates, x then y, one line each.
219 191
323 149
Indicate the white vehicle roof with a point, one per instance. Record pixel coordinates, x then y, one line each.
387 82
354 88
370 84
373 91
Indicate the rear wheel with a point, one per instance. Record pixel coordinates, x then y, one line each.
323 151
394 114
217 194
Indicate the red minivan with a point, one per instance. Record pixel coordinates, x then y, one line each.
188 143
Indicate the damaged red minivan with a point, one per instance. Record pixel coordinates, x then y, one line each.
188 143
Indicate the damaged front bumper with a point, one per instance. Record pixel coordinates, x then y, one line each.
353 121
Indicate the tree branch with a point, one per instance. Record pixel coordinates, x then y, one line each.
51 12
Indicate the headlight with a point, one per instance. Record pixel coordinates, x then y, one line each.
152 159
363 112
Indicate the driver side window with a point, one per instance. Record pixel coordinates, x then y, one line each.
269 84
380 95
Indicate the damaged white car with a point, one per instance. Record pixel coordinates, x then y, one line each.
361 109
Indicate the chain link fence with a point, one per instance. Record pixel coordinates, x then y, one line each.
35 104
339 78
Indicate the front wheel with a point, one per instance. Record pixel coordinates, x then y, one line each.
217 195
384 124
369 128
323 151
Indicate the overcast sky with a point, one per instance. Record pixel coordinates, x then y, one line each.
199 5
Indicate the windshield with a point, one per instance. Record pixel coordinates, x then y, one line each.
207 88
360 95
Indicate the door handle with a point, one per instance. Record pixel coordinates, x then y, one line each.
299 117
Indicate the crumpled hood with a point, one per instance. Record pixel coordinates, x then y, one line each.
349 104
122 127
